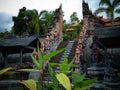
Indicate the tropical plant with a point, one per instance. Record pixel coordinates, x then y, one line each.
41 58
79 82
74 18
39 64
26 21
76 30
32 21
19 22
45 20
65 67
60 78
111 6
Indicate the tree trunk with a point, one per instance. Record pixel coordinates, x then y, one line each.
112 19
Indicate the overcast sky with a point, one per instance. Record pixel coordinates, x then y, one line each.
9 8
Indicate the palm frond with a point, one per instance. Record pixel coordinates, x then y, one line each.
42 12
100 10
105 2
117 10
116 3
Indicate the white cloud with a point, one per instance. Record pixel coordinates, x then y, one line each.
69 6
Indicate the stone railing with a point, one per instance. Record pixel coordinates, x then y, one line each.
79 54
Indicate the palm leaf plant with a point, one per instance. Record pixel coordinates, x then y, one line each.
38 63
81 84
78 80
65 67
55 82
111 6
41 58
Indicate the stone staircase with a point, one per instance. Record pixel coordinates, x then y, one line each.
69 53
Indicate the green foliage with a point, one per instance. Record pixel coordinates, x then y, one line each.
39 63
46 18
87 82
84 88
36 63
65 66
64 80
74 18
51 54
78 78
30 84
20 22
5 70
109 7
28 70
40 58
1 35
32 22
39 85
52 64
54 79
65 37
81 84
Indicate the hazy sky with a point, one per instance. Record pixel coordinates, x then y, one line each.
9 8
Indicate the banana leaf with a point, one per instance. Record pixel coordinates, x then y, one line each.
40 58
5 70
39 86
51 54
87 82
54 79
84 88
78 78
64 80
36 63
52 64
29 70
30 84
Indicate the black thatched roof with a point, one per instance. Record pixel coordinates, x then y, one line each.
17 41
109 36
108 32
16 44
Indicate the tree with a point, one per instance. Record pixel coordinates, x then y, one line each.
111 7
32 21
20 22
45 20
74 18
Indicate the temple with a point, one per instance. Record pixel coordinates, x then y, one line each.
97 21
105 38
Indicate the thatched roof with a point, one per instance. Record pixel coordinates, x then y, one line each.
109 36
16 44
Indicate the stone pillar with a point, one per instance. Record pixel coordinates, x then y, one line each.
21 56
5 59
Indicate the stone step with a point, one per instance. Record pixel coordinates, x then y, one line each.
99 86
96 69
68 49
48 78
70 44
96 72
57 71
62 58
66 53
71 41
61 61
